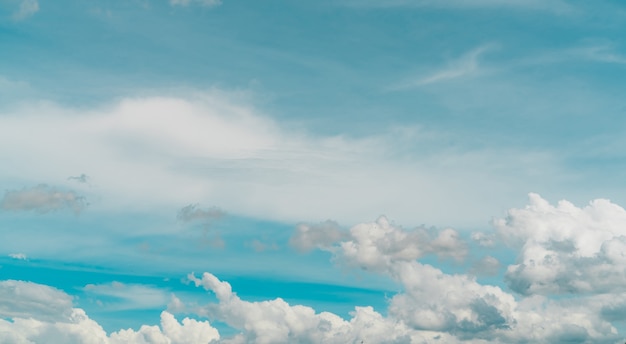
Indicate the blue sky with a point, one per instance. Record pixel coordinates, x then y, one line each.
457 166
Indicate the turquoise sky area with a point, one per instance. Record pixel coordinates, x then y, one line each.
347 171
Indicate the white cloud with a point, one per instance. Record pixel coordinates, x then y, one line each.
42 199
566 249
19 256
27 8
457 304
435 307
276 321
377 245
20 299
213 148
127 296
41 314
464 67
205 3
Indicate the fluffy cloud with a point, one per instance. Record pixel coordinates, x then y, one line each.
22 299
276 321
376 245
456 304
42 199
566 249
42 314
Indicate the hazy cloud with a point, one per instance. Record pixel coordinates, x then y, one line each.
42 199
19 256
193 212
27 8
83 178
205 3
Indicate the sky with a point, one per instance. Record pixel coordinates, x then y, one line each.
347 171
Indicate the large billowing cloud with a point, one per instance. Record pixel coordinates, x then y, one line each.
566 249
457 304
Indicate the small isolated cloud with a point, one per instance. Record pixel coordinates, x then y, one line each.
18 256
27 8
42 199
193 213
83 178
465 66
205 3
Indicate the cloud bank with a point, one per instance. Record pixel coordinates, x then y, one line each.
562 249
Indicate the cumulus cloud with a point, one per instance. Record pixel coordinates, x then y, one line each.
205 3
27 8
20 299
38 313
275 321
435 307
42 199
566 249
377 244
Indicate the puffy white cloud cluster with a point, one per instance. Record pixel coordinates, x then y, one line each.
275 321
376 245
42 314
566 249
432 307
456 304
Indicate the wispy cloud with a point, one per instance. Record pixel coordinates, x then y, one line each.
27 8
466 66
558 6
205 3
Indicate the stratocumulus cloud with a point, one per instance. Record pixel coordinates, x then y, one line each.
432 306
